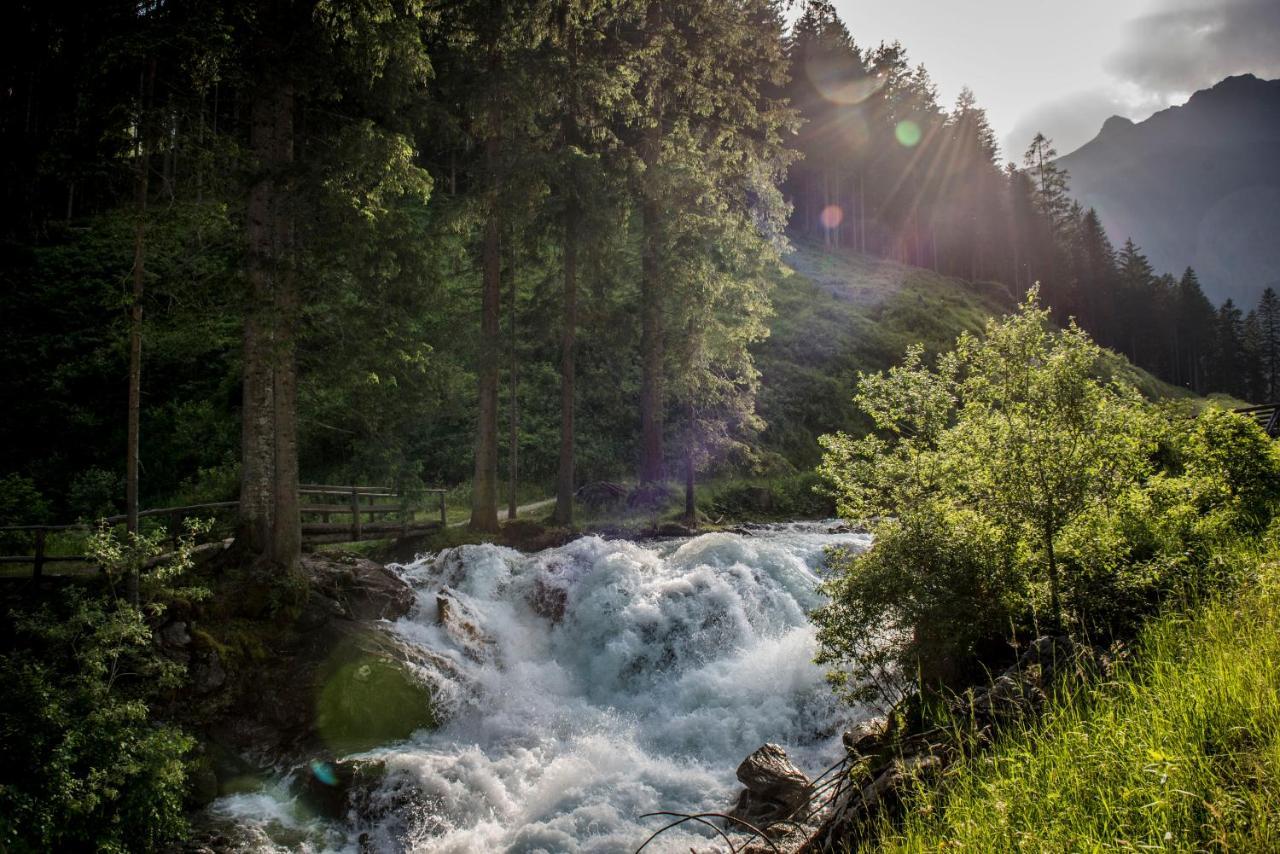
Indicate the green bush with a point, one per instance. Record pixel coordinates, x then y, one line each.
1013 489
85 766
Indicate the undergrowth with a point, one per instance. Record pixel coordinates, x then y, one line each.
1179 751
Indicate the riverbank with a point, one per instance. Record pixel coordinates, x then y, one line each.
1178 750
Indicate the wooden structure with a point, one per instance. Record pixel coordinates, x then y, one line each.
358 502
366 510
1267 416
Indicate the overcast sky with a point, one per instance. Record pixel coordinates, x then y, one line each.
1064 68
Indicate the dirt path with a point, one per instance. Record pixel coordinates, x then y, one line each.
521 510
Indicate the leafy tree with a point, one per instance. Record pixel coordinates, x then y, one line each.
978 466
87 768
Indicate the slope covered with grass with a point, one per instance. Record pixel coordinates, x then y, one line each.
1180 751
838 313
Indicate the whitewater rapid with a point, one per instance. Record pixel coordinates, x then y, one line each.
619 678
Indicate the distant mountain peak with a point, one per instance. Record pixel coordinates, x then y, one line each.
1194 184
1116 124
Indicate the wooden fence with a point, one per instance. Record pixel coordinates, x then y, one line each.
315 500
1267 416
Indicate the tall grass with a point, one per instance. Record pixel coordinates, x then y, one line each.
1180 751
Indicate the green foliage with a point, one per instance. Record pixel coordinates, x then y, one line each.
86 767
1178 751
1014 478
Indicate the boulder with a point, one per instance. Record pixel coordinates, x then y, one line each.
601 494
674 529
775 788
462 624
363 589
865 737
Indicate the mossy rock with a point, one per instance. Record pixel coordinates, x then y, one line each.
369 699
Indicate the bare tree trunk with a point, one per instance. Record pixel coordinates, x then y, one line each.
690 504
134 418
652 462
568 342
652 465
257 429
513 436
286 522
484 491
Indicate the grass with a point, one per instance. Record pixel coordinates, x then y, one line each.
1179 752
838 312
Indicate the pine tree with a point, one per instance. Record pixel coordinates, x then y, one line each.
1228 373
1269 329
1194 331
1049 180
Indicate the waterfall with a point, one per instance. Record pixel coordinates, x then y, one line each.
593 683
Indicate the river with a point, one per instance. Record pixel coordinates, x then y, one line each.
616 678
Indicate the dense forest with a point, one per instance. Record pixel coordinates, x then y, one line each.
471 243
509 250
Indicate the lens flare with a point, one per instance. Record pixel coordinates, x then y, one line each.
831 216
908 133
838 79
323 772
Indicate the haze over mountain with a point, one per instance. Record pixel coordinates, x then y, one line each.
1196 185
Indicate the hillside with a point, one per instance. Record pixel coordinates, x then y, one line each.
1195 185
840 312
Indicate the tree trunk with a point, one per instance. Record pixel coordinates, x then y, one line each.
286 521
1055 599
134 418
513 435
563 514
690 505
255 528
568 341
652 464
484 491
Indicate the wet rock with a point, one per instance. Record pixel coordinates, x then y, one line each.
548 600
674 529
332 788
363 589
775 788
865 737
462 625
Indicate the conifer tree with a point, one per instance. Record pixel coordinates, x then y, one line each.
1269 344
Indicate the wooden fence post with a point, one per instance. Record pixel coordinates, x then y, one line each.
355 514
444 518
37 567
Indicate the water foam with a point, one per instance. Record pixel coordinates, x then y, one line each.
626 678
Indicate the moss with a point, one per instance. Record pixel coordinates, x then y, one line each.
370 699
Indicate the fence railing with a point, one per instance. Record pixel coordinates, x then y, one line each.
359 502
1267 416
315 500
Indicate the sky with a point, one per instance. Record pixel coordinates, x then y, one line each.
1064 68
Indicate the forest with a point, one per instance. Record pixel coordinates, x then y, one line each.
510 250
546 243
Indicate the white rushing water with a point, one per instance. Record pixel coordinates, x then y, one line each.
670 662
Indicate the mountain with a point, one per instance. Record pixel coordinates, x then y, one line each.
1196 185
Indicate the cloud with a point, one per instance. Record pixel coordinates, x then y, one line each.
1167 53
1073 120
1185 45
